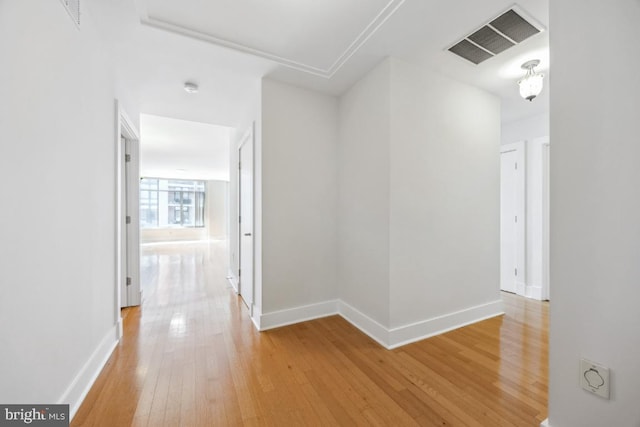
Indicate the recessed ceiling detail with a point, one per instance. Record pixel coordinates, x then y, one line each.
500 34
314 37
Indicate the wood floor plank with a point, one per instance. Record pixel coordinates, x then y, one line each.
191 357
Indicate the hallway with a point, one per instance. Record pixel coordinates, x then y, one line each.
191 356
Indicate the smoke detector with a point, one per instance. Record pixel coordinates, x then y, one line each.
191 87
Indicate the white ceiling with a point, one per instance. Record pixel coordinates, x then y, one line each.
312 36
228 46
172 148
328 45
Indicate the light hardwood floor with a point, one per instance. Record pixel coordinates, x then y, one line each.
191 357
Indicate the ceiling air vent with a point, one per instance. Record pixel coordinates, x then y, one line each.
500 34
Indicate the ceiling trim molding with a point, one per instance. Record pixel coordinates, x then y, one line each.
377 22
180 30
366 34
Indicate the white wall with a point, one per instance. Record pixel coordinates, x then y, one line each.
217 208
595 238
526 129
57 232
418 203
363 177
299 196
444 196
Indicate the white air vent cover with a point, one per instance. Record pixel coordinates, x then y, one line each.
500 34
73 7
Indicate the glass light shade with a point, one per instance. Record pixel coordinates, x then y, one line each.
530 85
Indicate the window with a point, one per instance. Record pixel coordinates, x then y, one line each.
171 203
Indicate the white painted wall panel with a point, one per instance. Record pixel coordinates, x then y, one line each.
595 231
363 177
444 203
57 226
299 196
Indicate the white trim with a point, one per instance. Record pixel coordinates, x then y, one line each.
83 381
546 176
372 27
204 37
521 289
76 20
248 140
366 324
256 317
276 319
545 423
124 127
438 325
382 17
120 328
535 292
388 338
233 280
521 257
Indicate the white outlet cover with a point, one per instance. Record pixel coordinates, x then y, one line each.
594 378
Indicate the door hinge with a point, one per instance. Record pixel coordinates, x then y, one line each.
516 218
127 157
516 271
516 165
239 272
128 219
128 281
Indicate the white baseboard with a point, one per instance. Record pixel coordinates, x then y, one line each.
438 325
366 324
521 288
256 316
534 292
290 316
120 327
545 423
233 280
81 384
388 338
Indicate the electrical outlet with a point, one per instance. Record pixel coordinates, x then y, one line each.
594 378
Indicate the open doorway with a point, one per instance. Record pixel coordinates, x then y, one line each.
524 222
184 190
127 232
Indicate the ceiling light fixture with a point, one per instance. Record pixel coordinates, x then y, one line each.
190 87
531 83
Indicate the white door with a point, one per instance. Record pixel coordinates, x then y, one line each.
245 228
512 220
130 283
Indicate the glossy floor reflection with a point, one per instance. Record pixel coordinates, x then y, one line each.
191 357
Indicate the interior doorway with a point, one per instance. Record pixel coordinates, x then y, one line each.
130 283
512 218
183 190
524 218
127 219
246 217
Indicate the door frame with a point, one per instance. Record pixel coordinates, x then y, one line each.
125 127
248 138
521 253
545 144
